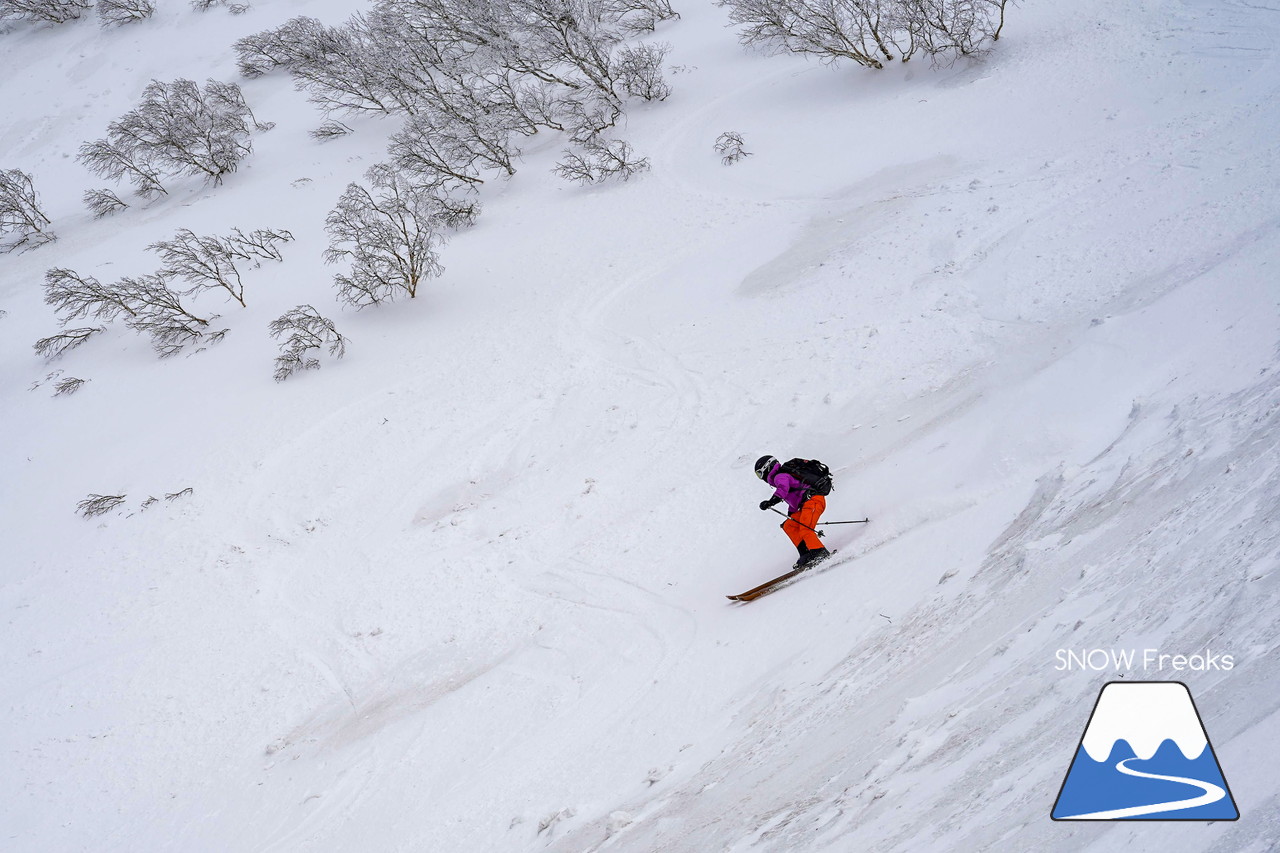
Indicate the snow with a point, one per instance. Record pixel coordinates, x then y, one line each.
464 589
1136 715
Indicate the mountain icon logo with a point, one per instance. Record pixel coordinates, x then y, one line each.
1145 755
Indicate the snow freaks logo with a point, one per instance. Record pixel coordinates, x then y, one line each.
1145 755
1148 660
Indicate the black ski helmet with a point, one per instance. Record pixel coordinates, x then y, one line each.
764 465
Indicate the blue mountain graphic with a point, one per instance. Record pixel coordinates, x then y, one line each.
1099 786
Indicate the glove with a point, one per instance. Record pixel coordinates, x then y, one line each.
768 503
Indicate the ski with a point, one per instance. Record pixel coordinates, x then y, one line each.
769 586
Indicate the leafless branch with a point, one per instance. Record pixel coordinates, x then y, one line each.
95 505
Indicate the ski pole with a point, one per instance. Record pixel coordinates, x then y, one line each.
802 524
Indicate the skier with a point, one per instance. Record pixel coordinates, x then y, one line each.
805 506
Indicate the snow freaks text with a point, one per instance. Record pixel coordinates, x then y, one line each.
1144 660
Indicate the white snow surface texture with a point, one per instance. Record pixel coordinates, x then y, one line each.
463 590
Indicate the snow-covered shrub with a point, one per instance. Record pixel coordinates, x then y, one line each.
946 29
640 16
210 261
444 149
114 13
20 214
178 129
600 160
289 44
339 67
584 115
639 70
729 145
570 42
43 11
307 331
103 202
389 235
492 69
869 32
471 77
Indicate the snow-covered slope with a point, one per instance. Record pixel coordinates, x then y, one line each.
463 590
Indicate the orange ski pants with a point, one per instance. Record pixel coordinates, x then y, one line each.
807 517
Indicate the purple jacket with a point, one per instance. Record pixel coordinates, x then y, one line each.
787 487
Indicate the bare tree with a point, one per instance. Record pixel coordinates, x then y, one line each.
178 129
262 244
74 296
103 202
201 262
729 145
869 32
447 149
68 386
473 76
329 130
119 157
43 11
950 28
233 8
638 70
228 106
421 72
832 31
458 209
210 261
146 303
637 17
390 236
337 66
160 315
95 505
114 13
567 41
997 8
460 58
20 211
600 160
293 42
585 114
55 345
307 331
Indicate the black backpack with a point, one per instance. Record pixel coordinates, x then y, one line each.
812 473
